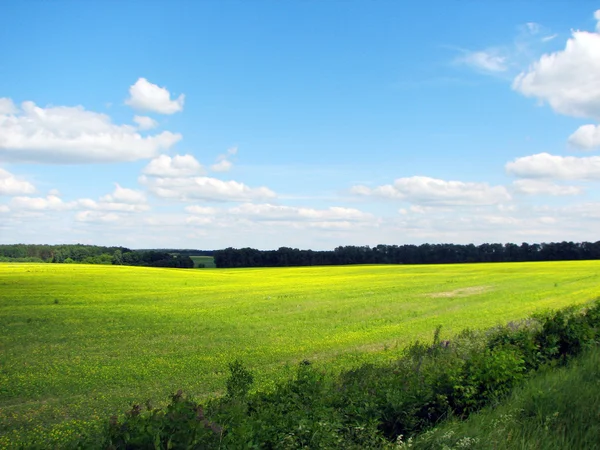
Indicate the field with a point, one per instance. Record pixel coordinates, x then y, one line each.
208 261
80 342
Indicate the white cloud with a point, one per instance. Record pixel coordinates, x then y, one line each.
533 28
95 216
544 165
4 209
89 204
124 195
487 60
568 80
66 134
49 203
201 210
177 166
223 163
203 188
597 17
11 185
150 97
549 37
195 220
121 199
586 137
269 212
222 166
425 190
7 107
543 187
145 122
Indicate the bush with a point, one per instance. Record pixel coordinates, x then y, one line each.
370 406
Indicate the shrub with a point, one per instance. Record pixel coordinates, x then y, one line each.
371 406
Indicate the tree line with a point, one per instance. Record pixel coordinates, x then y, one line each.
93 254
408 254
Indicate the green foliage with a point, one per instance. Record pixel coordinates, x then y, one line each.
564 334
408 254
370 406
93 254
239 382
181 425
555 410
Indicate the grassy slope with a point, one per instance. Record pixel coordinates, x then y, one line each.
555 410
81 342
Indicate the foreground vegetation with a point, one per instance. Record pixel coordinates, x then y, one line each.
81 342
556 410
385 406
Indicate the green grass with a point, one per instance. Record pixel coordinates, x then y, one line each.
80 342
208 261
555 410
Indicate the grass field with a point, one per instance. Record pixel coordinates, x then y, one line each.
79 343
208 261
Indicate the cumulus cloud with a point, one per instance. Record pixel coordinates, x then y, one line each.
269 212
124 195
544 165
586 137
66 134
89 204
201 210
95 216
223 163
145 122
425 190
568 80
199 220
121 199
7 106
203 188
48 203
177 166
11 185
544 187
146 96
222 166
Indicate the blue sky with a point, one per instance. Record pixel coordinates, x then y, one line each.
303 124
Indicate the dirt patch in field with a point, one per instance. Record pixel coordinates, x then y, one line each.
462 292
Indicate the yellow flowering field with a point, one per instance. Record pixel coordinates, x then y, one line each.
79 343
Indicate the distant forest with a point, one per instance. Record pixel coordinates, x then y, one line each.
408 254
286 256
94 254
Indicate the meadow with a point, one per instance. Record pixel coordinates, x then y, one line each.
207 261
79 343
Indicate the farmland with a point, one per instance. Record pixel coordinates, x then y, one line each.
80 342
206 261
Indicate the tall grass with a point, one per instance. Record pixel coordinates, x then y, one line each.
558 409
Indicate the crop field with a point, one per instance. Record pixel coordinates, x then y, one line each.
79 343
208 261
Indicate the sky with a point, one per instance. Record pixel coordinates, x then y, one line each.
303 124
